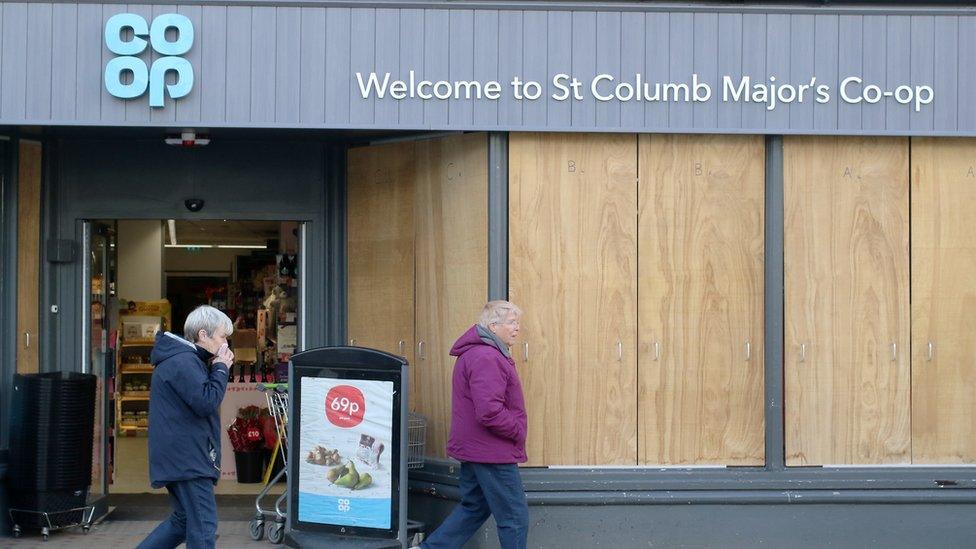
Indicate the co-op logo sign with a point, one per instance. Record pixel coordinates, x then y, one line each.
128 76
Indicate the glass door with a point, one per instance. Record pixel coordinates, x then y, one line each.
98 352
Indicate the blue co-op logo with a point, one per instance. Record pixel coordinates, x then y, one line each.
145 77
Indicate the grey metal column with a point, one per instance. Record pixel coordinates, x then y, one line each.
335 246
775 268
497 215
8 279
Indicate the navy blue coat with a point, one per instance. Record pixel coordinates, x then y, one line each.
184 412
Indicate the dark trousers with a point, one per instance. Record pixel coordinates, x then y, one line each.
486 489
194 518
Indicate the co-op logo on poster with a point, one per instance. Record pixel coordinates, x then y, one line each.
151 77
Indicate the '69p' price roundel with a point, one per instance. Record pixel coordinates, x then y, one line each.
345 406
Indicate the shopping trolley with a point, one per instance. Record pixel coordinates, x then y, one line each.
277 395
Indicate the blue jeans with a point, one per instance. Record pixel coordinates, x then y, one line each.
486 489
194 518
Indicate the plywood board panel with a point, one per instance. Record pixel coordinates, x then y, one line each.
28 255
572 269
847 372
943 301
701 300
451 212
380 227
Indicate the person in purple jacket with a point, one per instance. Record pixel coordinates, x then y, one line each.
488 429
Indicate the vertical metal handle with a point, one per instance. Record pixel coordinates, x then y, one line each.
620 351
931 351
803 352
894 352
27 340
748 351
352 342
420 351
657 351
400 345
525 351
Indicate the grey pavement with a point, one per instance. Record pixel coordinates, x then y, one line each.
126 534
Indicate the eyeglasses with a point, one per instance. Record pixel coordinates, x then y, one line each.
512 322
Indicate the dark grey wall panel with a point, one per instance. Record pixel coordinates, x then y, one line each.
288 65
657 32
437 62
136 113
608 37
874 45
705 114
13 82
826 54
778 38
163 116
559 47
212 85
39 36
461 62
113 110
585 35
753 64
946 79
191 107
851 42
411 58
632 62
65 23
966 117
535 65
388 59
363 57
897 58
238 87
922 67
802 68
729 113
292 66
510 63
264 43
486 63
681 66
337 44
312 90
88 73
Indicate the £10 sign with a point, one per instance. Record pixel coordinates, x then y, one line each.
146 77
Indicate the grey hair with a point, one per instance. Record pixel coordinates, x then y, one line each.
495 312
208 319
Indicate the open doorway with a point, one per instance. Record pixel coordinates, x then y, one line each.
145 276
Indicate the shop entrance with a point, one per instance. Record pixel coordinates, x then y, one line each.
145 276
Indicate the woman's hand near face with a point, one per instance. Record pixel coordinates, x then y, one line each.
225 355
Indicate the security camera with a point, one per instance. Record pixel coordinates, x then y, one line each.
193 204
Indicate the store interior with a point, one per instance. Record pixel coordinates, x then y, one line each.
146 276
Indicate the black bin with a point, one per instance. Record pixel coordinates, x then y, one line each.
51 437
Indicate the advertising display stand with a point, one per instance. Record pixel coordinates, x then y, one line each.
347 476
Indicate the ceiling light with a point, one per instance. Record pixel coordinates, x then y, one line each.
189 245
243 246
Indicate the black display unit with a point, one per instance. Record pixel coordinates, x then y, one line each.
348 450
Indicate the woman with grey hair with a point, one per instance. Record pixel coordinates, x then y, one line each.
188 385
488 429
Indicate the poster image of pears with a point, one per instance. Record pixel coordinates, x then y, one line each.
347 476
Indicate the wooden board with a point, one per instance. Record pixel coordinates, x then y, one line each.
701 300
28 256
572 269
380 225
451 213
847 302
943 301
